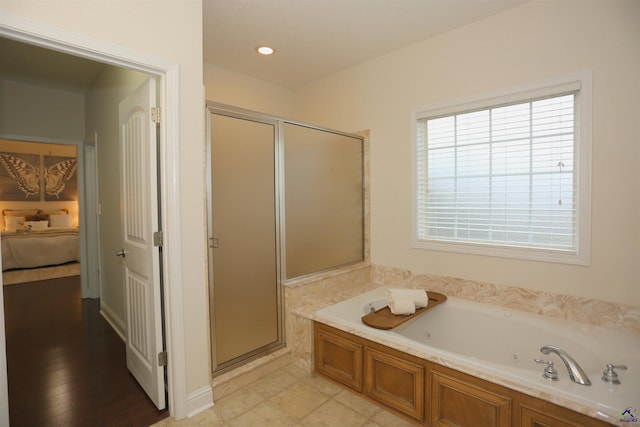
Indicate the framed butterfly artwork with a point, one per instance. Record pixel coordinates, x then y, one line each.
60 178
20 177
35 177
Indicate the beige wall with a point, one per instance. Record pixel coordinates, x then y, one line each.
172 31
241 91
28 109
538 41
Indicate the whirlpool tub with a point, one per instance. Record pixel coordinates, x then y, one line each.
500 345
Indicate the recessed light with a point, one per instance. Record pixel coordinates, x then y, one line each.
265 50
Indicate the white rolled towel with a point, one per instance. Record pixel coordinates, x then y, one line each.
400 305
419 296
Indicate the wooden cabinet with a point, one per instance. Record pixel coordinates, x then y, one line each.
429 393
339 357
395 381
463 400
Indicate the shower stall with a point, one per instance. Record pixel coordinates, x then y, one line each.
284 200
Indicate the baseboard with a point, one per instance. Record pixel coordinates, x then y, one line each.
114 320
199 400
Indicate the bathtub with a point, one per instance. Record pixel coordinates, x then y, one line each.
500 344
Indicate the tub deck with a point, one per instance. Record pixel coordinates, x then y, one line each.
499 345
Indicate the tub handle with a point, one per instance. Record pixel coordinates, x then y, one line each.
610 376
550 372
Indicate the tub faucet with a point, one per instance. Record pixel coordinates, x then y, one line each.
576 373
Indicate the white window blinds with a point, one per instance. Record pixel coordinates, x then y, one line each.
503 175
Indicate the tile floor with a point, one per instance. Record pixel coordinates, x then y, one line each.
291 397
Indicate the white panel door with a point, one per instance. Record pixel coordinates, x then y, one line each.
140 258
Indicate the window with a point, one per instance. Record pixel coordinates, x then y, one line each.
508 176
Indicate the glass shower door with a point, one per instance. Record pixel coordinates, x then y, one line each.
243 239
323 184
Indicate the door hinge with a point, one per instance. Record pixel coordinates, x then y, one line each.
155 115
162 358
158 239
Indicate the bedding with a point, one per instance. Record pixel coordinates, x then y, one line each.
15 219
40 247
13 223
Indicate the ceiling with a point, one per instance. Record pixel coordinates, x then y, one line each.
312 38
29 63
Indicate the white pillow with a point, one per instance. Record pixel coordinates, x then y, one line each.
37 225
13 223
60 220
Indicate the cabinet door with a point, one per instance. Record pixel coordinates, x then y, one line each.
548 415
395 382
339 358
460 400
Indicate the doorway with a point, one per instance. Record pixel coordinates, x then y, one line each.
123 61
40 188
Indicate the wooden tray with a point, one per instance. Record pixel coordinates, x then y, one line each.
384 319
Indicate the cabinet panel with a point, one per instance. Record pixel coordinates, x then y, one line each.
395 382
339 358
430 393
537 413
460 402
532 418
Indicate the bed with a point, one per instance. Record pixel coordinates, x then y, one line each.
39 239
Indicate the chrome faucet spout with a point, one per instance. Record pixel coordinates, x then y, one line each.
576 373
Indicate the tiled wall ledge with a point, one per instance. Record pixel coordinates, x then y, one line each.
599 313
303 297
306 295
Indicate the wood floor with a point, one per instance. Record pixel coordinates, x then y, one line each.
66 365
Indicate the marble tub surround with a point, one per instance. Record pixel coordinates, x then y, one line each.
595 312
328 286
304 296
366 192
601 401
